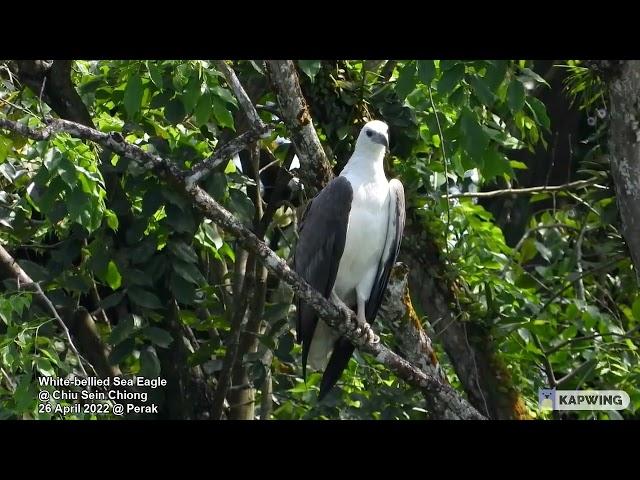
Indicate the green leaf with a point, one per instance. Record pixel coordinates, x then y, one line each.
151 201
112 277
224 94
217 185
212 236
241 204
310 67
123 330
533 75
112 220
5 148
546 253
496 71
203 109
133 95
83 209
528 250
636 308
482 91
406 80
183 290
143 298
183 251
155 73
539 112
475 140
343 131
191 94
426 71
181 221
494 163
121 351
174 111
158 336
149 363
458 97
137 277
451 79
222 113
515 95
112 300
44 367
188 271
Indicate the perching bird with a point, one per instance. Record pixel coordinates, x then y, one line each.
348 242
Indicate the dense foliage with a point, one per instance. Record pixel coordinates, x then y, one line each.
546 276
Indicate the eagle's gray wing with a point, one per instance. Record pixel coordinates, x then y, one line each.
322 236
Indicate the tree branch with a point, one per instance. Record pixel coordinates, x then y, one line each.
624 145
345 323
527 191
315 171
244 100
222 154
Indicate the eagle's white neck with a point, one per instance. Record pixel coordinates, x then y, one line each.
366 163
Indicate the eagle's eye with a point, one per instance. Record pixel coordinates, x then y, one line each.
369 133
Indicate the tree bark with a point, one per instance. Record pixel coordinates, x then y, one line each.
315 171
414 344
624 146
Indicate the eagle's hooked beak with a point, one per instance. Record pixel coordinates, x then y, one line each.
382 140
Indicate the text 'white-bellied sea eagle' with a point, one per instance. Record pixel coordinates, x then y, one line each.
349 240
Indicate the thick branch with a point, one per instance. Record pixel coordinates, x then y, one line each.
344 323
624 145
315 171
526 191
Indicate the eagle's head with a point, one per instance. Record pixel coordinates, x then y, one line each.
374 135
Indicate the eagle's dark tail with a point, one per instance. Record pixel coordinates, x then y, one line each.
342 352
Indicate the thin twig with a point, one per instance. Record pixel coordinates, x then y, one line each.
560 346
560 291
446 171
44 82
542 227
531 190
